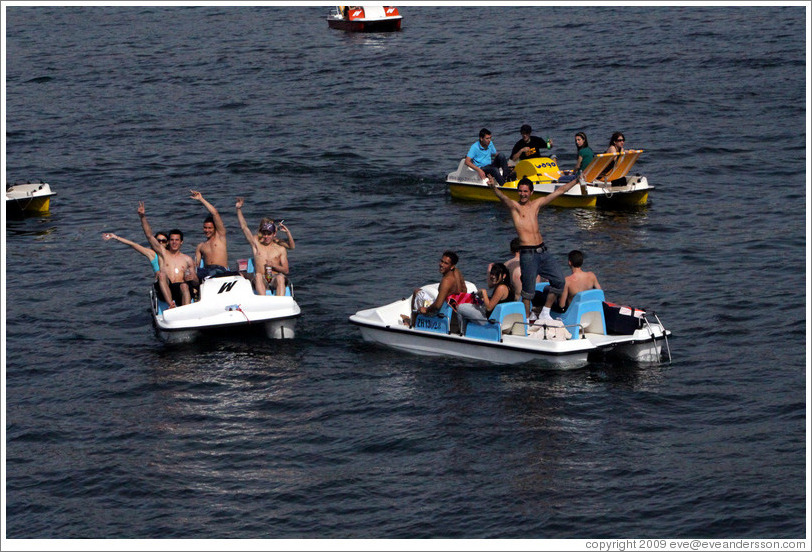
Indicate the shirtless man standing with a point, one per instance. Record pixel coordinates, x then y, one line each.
270 258
212 251
177 269
533 257
580 280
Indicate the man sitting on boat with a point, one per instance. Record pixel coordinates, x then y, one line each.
213 251
270 258
580 280
483 158
529 146
177 269
452 284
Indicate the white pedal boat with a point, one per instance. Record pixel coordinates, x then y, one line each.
507 338
616 188
227 304
29 198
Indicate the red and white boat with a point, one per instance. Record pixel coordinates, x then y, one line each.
365 19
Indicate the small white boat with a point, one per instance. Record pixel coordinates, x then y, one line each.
589 329
607 182
365 19
227 303
29 198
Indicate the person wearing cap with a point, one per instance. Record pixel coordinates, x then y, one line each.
270 258
529 146
213 251
483 158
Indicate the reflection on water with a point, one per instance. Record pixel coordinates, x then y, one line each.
30 225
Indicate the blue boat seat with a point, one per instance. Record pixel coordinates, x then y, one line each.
504 318
439 323
586 309
250 270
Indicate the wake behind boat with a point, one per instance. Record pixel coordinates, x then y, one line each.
227 303
589 328
606 188
28 198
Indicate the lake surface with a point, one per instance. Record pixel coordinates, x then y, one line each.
112 435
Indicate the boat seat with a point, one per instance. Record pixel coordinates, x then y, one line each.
439 323
504 318
623 165
586 309
597 166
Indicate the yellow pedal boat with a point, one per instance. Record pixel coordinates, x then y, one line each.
608 183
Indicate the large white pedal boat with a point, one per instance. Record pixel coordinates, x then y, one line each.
227 304
602 188
507 338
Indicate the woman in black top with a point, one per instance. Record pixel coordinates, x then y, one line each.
502 292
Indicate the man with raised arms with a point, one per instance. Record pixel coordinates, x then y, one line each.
533 257
270 259
213 251
177 269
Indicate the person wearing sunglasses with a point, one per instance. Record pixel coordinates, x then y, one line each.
616 143
147 252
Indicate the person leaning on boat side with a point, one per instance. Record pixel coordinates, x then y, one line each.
177 274
213 251
580 280
452 283
529 146
153 257
268 254
483 158
533 257
499 282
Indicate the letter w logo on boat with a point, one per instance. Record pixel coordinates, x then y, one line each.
227 286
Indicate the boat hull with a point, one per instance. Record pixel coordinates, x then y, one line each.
371 26
227 306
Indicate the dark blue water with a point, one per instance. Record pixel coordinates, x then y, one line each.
110 434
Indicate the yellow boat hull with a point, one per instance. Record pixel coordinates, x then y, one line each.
34 206
478 192
29 199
